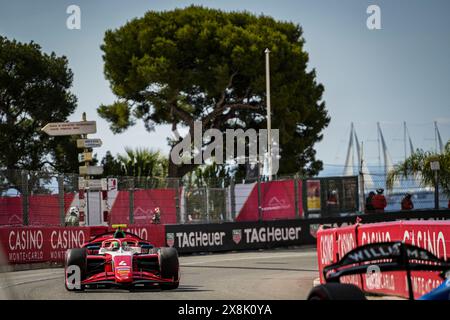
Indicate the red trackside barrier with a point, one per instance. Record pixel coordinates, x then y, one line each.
49 244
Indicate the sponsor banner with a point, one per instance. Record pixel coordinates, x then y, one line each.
433 236
385 282
238 235
49 244
277 201
378 232
326 249
347 240
313 195
333 244
35 244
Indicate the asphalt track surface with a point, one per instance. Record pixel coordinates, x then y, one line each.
261 275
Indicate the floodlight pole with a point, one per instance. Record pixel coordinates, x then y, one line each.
269 122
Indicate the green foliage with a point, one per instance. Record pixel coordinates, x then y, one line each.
418 164
135 163
118 114
34 90
212 176
111 166
176 67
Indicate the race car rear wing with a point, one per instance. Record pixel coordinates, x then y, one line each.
386 256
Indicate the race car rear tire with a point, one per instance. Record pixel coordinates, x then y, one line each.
77 257
169 267
336 291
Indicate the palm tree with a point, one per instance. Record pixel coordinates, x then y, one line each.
418 165
142 162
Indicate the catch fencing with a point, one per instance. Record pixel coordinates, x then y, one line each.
42 198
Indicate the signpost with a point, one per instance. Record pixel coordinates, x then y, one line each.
93 184
82 128
70 128
89 143
83 157
91 170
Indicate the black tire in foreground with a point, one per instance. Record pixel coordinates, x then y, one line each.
336 291
77 257
169 266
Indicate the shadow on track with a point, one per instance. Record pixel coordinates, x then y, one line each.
252 268
181 288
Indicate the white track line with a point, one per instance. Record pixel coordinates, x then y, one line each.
29 281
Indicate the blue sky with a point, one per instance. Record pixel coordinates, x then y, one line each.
399 73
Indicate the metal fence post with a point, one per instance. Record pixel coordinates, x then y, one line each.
232 199
25 202
61 200
131 199
436 189
259 199
208 218
297 213
177 200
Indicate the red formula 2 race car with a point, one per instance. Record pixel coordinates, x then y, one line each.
121 259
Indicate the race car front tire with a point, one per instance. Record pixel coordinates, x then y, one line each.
77 257
336 291
169 267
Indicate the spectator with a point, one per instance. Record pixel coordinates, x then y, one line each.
369 204
332 199
73 217
156 219
379 201
407 203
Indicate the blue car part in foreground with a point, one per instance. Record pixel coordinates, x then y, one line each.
440 293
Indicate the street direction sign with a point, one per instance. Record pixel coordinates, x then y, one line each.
434 165
70 128
81 183
89 143
86 156
112 184
91 170
93 184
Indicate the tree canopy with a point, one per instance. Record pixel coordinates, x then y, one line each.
199 64
34 90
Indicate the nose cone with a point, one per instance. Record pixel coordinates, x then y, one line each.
123 268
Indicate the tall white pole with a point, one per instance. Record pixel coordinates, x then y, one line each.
269 123
404 137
